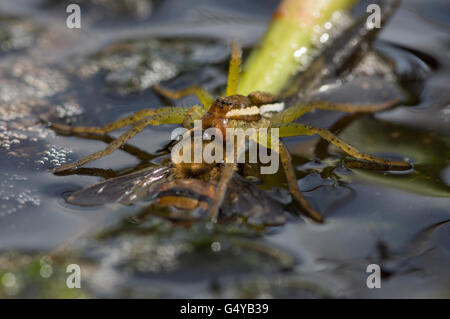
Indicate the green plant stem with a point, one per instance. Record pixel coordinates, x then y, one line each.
289 37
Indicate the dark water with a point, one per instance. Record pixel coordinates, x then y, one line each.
92 76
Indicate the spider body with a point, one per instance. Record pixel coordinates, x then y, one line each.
225 111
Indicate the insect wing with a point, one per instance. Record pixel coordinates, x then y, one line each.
126 189
247 200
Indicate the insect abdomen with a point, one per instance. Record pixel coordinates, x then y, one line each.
186 194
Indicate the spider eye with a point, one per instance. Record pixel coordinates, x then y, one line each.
219 103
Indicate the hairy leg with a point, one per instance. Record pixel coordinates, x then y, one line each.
130 149
374 166
195 113
205 98
157 119
233 70
354 108
297 196
92 130
260 98
225 177
221 190
292 113
295 129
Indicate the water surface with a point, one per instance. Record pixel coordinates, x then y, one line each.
95 75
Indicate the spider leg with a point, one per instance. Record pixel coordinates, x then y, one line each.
354 108
92 130
221 190
294 129
174 117
261 98
205 98
374 166
298 198
292 113
233 70
130 149
225 177
196 112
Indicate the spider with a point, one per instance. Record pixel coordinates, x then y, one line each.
235 111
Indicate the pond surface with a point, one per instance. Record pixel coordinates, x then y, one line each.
92 76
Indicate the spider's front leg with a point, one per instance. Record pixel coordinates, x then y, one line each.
234 70
265 140
294 129
205 98
174 116
221 190
298 198
292 113
231 160
354 108
196 112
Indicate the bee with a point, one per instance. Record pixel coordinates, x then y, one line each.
212 187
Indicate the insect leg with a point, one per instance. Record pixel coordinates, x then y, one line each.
205 98
161 118
299 200
295 129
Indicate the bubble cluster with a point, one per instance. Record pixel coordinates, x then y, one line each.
18 124
55 156
13 197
